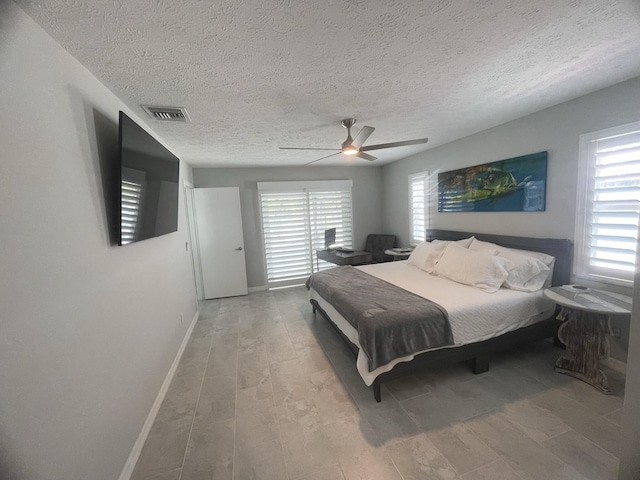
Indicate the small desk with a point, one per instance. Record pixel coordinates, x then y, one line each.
399 253
343 258
585 314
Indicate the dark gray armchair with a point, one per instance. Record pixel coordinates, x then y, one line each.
377 243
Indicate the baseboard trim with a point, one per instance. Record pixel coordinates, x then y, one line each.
130 464
257 289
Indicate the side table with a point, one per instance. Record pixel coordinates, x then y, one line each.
399 253
586 314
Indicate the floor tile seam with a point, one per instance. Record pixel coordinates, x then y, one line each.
379 439
298 353
587 439
337 464
406 412
195 410
282 455
155 475
499 459
435 447
562 461
475 377
408 398
418 396
586 407
606 415
235 410
392 462
479 439
421 429
522 430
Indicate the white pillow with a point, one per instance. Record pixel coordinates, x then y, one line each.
419 254
426 255
480 269
548 260
526 273
465 242
480 245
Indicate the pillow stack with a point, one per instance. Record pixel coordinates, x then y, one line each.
528 272
484 265
427 254
478 268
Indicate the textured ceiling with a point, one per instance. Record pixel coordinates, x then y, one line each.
256 75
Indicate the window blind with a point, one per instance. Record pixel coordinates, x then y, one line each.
294 221
131 189
418 208
611 220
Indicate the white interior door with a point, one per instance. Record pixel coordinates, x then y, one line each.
220 241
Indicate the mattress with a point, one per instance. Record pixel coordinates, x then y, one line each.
474 314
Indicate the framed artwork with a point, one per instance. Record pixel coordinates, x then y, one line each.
513 185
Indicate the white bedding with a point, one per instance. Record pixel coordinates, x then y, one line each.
474 314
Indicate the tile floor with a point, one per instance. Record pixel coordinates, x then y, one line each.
266 390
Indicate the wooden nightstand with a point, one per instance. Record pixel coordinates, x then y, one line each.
585 314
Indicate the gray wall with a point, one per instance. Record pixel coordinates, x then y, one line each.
630 459
88 330
556 130
367 202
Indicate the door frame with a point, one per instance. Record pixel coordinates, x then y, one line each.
192 231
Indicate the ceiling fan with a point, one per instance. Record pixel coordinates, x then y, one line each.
353 146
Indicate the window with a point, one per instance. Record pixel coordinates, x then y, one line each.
608 204
294 218
418 207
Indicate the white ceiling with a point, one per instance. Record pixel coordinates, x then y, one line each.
256 75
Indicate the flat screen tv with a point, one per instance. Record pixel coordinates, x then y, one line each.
149 175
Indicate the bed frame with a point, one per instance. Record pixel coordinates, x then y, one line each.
480 352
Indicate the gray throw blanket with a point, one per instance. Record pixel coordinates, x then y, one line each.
391 322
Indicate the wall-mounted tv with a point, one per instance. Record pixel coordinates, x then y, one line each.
149 175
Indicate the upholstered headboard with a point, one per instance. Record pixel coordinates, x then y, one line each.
560 248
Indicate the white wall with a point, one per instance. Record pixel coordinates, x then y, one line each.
366 195
88 330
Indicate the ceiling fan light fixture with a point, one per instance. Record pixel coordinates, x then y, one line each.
349 150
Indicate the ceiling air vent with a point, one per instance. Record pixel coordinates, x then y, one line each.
167 114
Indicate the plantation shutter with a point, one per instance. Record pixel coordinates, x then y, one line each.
285 226
294 218
418 209
613 207
329 209
131 189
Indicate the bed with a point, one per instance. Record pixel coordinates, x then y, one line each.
480 323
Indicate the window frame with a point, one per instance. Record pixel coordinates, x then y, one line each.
415 240
584 208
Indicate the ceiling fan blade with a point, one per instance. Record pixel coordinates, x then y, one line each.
304 148
365 156
322 158
417 141
362 136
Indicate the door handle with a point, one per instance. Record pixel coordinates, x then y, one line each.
238 249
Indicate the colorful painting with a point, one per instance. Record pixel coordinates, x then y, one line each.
513 185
